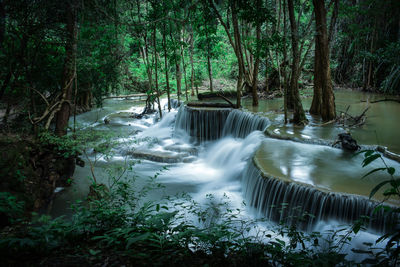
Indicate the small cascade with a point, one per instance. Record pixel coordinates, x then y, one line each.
280 200
175 104
201 124
211 124
240 124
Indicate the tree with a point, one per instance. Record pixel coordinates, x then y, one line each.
323 100
69 74
299 116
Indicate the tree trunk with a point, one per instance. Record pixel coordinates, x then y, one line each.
166 67
184 73
69 69
323 91
257 62
299 116
285 79
267 77
191 61
178 76
238 51
209 67
156 70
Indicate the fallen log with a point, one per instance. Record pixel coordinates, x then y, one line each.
209 105
227 100
388 154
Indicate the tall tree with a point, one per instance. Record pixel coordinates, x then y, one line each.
69 74
299 116
257 52
324 100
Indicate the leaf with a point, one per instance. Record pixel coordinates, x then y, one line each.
374 170
137 238
395 183
391 170
361 251
94 252
370 159
390 191
376 188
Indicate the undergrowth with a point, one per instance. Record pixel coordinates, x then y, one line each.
120 227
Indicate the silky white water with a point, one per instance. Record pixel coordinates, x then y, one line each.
198 152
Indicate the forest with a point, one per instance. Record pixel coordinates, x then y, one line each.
199 132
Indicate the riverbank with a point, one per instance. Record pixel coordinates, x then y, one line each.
33 171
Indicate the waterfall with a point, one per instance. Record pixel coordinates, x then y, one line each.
281 200
240 124
201 124
211 124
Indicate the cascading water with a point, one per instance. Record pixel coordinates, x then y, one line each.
223 163
276 199
240 124
201 124
280 200
212 124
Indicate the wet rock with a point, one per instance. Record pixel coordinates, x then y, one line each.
121 115
189 159
184 149
347 141
159 156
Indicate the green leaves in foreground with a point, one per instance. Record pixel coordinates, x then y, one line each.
390 255
369 157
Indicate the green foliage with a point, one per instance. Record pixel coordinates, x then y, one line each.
66 145
11 207
367 45
177 230
391 253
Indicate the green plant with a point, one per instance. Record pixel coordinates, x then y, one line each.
11 208
390 255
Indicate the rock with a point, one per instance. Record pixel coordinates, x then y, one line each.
159 156
189 159
184 149
347 141
80 162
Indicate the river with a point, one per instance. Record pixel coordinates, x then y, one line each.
226 154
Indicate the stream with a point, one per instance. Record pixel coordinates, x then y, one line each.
225 153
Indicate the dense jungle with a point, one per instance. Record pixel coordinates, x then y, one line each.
199 133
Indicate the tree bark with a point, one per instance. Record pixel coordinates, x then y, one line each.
156 70
178 76
166 66
209 67
191 61
69 73
324 100
257 61
239 53
299 116
285 76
